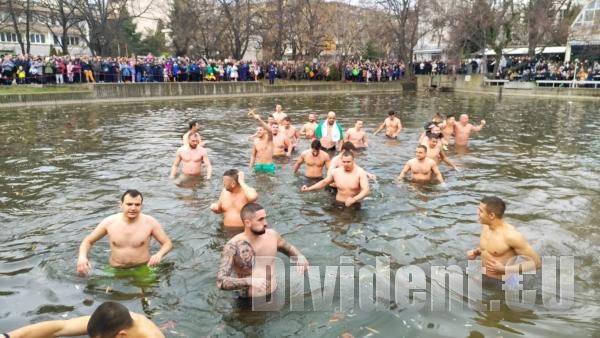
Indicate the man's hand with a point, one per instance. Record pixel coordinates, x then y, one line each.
482 122
473 253
304 188
155 260
493 266
301 264
214 207
240 177
349 201
258 284
83 266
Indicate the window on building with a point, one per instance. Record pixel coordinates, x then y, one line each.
8 37
73 41
37 38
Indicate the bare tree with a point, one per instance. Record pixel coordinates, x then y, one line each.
20 13
543 20
239 18
407 19
65 13
105 19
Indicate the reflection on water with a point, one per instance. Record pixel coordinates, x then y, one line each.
63 170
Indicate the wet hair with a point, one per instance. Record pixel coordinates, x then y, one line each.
494 205
193 123
422 146
287 118
133 193
347 153
233 173
249 210
108 319
429 125
315 144
348 146
391 112
193 134
430 135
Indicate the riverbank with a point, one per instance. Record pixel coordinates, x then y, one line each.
142 92
474 84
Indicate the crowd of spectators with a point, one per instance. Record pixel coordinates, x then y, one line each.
25 69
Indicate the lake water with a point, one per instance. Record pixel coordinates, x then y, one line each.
63 170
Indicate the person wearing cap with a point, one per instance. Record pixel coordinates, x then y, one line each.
392 126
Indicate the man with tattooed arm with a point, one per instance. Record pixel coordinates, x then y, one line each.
251 255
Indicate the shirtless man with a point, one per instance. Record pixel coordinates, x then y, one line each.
336 161
261 159
282 146
194 126
308 129
315 159
108 319
437 154
236 193
448 129
290 131
463 129
251 256
351 182
329 133
357 136
191 158
278 115
129 234
421 167
500 243
392 126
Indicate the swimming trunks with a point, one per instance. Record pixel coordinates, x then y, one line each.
342 205
328 149
141 274
511 282
265 168
390 137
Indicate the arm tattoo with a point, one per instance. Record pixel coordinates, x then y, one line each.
224 279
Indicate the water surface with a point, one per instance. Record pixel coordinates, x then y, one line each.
64 168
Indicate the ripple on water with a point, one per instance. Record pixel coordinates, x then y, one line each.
58 185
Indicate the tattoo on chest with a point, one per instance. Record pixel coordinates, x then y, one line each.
244 255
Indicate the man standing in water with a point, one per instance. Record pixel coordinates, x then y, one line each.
351 182
278 115
500 244
329 133
194 127
290 131
357 136
421 167
316 160
129 232
392 126
191 156
308 129
262 149
236 193
436 153
463 129
251 256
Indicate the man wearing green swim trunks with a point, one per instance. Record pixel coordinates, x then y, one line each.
262 149
129 232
